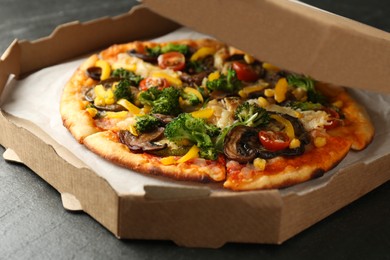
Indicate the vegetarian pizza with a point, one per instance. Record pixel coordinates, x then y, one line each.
203 111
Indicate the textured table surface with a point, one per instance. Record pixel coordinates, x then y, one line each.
34 225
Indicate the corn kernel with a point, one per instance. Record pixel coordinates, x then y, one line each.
99 101
263 102
269 92
259 164
338 104
319 141
249 59
295 143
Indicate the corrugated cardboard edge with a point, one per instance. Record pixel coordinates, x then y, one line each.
42 157
248 217
326 44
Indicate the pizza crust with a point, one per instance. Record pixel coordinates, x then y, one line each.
107 145
283 172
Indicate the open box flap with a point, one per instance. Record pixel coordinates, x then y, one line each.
307 40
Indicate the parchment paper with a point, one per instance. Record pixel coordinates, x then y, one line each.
37 97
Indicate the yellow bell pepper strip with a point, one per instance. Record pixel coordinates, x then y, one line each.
214 75
169 160
281 90
129 106
270 67
170 78
133 130
121 114
189 90
92 111
244 93
106 69
288 127
203 113
202 53
191 154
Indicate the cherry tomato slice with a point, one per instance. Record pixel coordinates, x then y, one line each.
149 82
244 71
171 60
274 141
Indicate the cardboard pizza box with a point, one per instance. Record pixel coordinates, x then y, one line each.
201 215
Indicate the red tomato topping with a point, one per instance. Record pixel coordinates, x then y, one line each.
274 141
244 71
171 60
149 82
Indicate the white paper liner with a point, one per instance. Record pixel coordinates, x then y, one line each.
37 97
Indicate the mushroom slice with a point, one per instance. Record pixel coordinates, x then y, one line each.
143 142
241 144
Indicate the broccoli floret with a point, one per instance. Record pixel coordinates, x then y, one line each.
228 83
307 84
248 114
190 99
123 90
164 101
147 123
195 130
128 75
157 50
175 47
251 114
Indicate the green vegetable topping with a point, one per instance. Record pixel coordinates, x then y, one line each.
228 83
128 75
305 105
307 84
190 99
164 101
157 50
147 123
250 114
123 90
195 130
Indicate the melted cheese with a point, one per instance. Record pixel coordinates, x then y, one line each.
310 119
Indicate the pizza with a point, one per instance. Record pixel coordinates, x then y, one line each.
200 110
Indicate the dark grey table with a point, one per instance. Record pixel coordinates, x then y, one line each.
34 225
